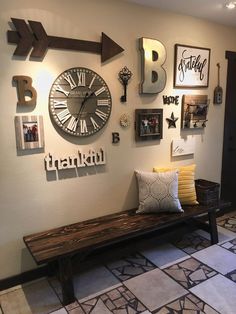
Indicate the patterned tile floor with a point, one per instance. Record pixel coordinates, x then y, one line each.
186 276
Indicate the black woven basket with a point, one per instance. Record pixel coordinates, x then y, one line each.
207 192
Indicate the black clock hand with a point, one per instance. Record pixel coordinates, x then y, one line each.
87 96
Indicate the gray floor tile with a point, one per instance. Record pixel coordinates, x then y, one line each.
231 246
119 300
36 298
219 292
61 311
228 223
223 234
187 304
190 272
130 266
89 281
162 254
217 258
154 289
192 242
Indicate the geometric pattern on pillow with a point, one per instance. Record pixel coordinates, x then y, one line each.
158 192
186 188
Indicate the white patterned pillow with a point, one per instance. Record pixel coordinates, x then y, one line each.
158 192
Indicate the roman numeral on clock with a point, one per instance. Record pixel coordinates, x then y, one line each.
70 80
72 125
94 123
102 102
99 91
83 126
61 90
60 104
101 114
81 78
64 115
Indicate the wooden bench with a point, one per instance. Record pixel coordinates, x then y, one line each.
61 244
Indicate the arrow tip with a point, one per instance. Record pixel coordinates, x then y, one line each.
109 48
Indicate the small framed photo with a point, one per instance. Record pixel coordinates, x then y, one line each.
29 132
194 111
191 66
148 124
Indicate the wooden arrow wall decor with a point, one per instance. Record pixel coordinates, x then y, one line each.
35 37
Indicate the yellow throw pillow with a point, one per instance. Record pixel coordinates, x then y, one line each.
186 188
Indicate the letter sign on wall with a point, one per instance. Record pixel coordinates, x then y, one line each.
153 56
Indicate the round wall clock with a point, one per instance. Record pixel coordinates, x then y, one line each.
80 102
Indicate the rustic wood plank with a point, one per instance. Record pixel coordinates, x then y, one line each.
94 233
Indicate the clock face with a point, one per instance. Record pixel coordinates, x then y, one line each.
80 102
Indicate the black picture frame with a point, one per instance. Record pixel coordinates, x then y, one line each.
191 66
148 124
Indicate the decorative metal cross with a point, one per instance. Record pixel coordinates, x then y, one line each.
124 77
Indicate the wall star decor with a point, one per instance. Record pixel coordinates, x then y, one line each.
172 121
191 66
35 36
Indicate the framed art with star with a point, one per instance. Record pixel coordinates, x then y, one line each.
148 124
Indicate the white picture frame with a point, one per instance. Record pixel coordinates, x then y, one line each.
29 132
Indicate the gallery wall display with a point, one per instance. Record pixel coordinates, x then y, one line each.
181 147
153 56
148 124
80 102
29 132
25 88
124 77
191 69
194 111
34 36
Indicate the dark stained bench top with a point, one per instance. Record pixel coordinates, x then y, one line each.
95 233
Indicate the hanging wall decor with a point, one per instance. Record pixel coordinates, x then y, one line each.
124 77
194 111
29 132
115 137
148 124
79 160
218 91
153 56
167 100
34 36
191 66
80 102
125 120
24 90
172 121
181 147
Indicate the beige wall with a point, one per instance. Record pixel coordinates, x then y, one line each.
31 199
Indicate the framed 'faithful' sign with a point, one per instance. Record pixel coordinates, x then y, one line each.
191 66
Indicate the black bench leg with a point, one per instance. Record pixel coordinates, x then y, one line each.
213 227
66 279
